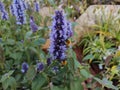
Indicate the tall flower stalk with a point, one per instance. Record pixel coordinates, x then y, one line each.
19 12
60 32
33 26
4 14
36 6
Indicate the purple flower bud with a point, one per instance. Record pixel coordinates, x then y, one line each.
49 61
25 67
40 67
36 6
33 26
69 30
22 41
55 69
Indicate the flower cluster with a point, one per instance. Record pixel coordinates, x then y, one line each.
25 67
60 32
18 9
33 26
39 67
36 6
4 14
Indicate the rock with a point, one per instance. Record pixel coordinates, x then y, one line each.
46 13
117 0
91 16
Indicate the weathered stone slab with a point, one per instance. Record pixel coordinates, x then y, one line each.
90 17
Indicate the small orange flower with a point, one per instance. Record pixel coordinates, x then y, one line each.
63 63
68 42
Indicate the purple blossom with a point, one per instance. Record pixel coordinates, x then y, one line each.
2 7
4 14
19 12
36 6
55 69
25 4
12 10
69 29
39 67
33 26
25 67
58 36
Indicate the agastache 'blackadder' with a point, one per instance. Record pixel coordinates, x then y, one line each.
4 14
33 26
39 67
19 12
25 67
60 32
36 6
11 10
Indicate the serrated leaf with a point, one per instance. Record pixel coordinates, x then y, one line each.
38 82
30 73
39 41
28 34
85 73
5 76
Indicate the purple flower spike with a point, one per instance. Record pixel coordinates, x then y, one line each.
40 67
4 14
58 36
33 26
25 4
25 67
12 10
19 12
36 6
61 31
2 7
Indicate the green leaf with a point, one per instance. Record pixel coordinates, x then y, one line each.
106 83
5 84
39 41
85 73
10 41
12 83
58 88
39 81
5 76
28 34
76 84
88 57
30 73
9 82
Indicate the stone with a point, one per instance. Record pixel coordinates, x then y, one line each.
91 16
117 0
